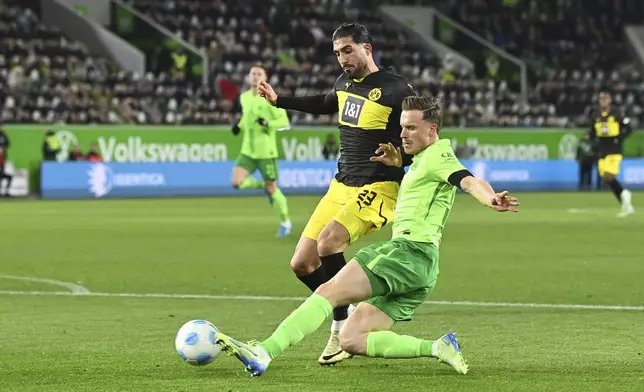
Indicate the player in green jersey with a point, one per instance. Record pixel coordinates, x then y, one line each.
390 279
258 126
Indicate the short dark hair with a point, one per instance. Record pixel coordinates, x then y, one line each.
430 106
358 33
258 65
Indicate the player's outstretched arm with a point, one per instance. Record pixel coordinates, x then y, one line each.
314 104
482 191
279 120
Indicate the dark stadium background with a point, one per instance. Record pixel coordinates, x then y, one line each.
92 292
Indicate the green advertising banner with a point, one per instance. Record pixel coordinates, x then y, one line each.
513 144
129 143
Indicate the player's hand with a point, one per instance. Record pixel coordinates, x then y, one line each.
235 130
388 154
265 90
503 202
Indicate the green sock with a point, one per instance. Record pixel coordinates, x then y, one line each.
303 321
251 183
388 344
281 205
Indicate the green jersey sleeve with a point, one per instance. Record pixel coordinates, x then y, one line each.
277 118
442 161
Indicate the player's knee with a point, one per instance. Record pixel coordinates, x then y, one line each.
270 187
299 268
302 266
323 289
329 291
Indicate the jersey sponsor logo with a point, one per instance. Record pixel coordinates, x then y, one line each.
374 94
608 127
447 155
358 111
352 109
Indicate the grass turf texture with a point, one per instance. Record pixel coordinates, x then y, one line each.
226 246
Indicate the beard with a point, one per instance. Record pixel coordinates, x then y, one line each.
357 72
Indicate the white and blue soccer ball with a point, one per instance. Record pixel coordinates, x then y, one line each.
195 342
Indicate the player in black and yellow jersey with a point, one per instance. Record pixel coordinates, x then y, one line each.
362 197
608 132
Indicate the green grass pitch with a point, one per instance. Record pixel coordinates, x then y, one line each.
562 248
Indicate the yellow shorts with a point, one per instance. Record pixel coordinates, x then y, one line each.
361 210
609 164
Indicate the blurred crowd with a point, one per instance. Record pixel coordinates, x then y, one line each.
572 49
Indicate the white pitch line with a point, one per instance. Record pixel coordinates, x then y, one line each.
72 287
270 298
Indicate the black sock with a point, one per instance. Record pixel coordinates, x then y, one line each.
333 264
315 279
617 189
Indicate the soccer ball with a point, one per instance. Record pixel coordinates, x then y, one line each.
195 342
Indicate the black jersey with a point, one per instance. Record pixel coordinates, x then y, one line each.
609 131
368 114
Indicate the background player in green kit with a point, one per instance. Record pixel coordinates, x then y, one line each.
258 126
392 278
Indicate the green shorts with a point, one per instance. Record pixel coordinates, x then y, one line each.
267 167
402 273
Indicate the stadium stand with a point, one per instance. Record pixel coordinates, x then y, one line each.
574 48
46 78
36 66
292 39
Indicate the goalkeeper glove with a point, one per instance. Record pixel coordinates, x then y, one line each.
236 129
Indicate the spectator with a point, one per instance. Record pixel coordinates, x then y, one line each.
75 154
50 146
4 175
570 48
93 155
586 158
180 62
331 148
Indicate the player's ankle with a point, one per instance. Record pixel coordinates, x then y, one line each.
434 348
337 325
